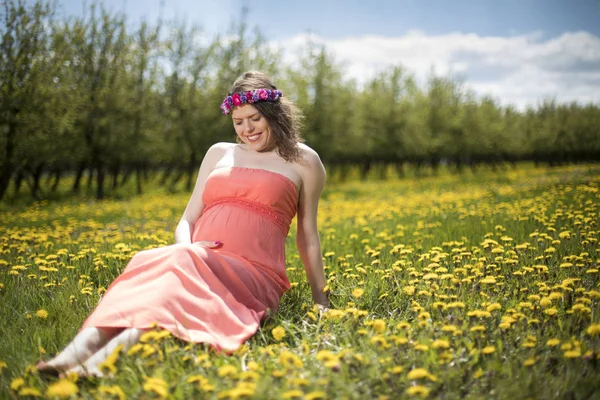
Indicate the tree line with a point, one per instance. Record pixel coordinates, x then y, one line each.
108 101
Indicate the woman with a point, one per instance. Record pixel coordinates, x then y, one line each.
226 271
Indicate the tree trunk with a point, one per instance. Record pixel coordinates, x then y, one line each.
78 176
138 179
18 180
57 175
99 181
115 176
400 170
36 177
366 167
8 167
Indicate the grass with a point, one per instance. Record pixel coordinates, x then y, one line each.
480 285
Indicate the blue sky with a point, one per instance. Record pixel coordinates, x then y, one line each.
518 51
334 19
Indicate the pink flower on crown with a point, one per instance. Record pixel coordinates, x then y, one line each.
236 99
263 94
249 97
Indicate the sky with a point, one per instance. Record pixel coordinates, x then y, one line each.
517 51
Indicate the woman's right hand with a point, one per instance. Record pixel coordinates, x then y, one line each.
209 243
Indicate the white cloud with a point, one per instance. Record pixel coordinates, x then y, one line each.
519 70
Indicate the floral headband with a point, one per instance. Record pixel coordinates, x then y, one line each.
251 96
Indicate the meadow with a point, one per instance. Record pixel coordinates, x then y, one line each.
480 285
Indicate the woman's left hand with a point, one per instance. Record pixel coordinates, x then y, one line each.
209 243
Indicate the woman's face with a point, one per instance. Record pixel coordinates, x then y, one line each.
252 128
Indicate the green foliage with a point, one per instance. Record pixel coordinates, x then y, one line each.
449 286
96 95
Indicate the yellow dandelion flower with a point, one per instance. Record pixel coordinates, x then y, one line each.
156 385
278 333
440 344
488 350
396 370
292 394
28 391
420 373
403 325
315 395
449 328
593 330
409 290
227 370
358 292
529 362
17 383
572 353
41 313
418 390
545 302
290 360
112 391
2 365
379 325
63 388
478 374
551 311
552 342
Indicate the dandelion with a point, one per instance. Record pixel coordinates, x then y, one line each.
488 350
41 313
63 388
278 333
112 391
379 325
420 373
529 362
403 325
572 353
292 394
552 342
440 344
593 330
315 395
17 383
227 370
358 292
417 390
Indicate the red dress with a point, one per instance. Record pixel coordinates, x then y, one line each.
215 296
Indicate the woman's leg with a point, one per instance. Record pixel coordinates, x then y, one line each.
83 346
126 338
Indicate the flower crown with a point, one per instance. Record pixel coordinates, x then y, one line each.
251 96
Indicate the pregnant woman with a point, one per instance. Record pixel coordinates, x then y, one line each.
226 271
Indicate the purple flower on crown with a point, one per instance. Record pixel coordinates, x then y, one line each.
229 101
243 97
255 96
236 99
225 108
262 94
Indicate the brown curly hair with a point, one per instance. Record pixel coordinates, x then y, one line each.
285 119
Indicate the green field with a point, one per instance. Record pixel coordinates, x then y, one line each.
467 286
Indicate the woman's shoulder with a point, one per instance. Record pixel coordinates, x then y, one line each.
308 156
222 146
309 163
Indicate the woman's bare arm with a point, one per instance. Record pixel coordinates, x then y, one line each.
195 206
307 239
